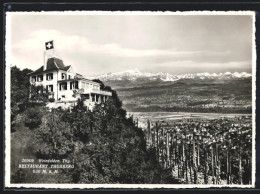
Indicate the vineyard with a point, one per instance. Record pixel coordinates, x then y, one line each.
217 151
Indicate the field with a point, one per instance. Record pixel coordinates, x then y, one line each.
196 95
171 117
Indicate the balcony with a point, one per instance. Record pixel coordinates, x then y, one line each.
96 91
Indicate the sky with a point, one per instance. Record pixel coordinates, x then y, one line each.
98 44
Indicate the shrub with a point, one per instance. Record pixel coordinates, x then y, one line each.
51 99
33 118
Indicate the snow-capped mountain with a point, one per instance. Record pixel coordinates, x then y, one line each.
135 74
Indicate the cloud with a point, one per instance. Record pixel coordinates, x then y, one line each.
111 56
64 43
73 43
177 67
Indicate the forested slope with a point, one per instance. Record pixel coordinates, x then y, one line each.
103 145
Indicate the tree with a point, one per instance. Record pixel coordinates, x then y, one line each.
55 137
108 147
38 93
33 117
19 90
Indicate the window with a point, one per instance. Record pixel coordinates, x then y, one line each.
74 85
83 85
33 78
69 77
50 88
63 86
49 76
63 96
86 96
39 78
63 76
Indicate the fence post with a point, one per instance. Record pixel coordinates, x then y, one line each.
149 132
163 149
206 164
228 166
167 149
194 163
212 164
157 141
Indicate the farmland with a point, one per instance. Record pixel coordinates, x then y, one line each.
196 95
172 117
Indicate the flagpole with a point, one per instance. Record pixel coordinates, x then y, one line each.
44 56
53 48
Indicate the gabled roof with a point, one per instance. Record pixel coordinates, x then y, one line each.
52 64
66 68
37 71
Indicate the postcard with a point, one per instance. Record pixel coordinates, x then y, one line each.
130 99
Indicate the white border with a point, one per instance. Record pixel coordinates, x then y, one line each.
93 186
8 104
254 101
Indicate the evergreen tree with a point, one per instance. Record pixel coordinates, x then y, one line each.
19 90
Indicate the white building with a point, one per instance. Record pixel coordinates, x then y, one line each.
61 81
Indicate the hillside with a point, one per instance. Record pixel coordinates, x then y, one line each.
77 145
105 146
193 95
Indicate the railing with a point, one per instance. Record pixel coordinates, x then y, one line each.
106 93
92 90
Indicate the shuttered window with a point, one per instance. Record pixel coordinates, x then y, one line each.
74 85
40 78
63 86
49 76
33 78
50 88
63 76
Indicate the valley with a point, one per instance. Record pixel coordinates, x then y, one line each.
185 95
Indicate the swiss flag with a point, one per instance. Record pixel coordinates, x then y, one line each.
49 45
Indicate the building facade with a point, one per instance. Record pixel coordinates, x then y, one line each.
62 82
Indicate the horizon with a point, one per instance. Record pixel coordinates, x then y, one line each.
149 72
99 44
136 69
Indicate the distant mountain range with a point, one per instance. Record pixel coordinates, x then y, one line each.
135 74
